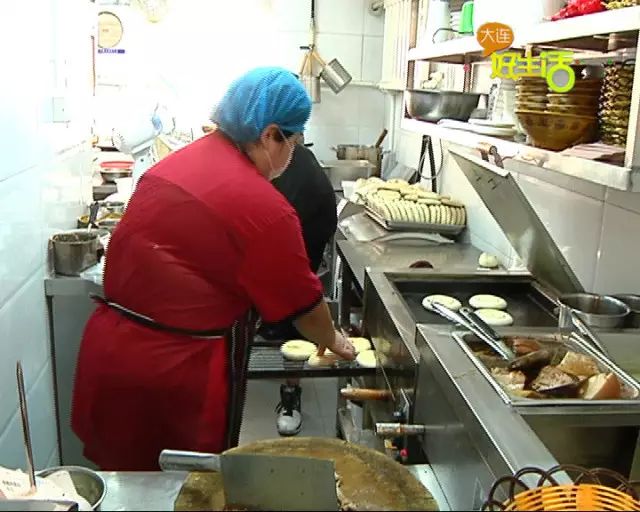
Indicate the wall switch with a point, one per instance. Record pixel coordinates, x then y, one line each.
60 110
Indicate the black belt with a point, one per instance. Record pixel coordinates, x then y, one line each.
152 324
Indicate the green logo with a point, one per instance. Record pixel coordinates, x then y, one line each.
554 66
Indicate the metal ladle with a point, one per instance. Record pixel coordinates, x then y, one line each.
22 400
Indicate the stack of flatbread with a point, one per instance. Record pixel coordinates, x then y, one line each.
396 200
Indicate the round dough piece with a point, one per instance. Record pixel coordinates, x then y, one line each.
328 359
298 350
495 317
367 359
488 261
448 302
487 302
360 344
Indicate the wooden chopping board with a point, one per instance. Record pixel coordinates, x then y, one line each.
370 480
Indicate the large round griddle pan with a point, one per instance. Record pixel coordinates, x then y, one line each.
370 480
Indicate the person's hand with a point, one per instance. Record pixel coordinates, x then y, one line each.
341 346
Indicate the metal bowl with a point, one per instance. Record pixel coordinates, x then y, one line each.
595 310
633 301
89 484
113 206
436 105
111 175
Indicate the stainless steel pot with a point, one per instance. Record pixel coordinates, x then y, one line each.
75 251
359 152
633 301
347 170
600 311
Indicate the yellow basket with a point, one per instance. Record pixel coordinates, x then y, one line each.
573 497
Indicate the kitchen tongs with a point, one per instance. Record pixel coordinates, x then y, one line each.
468 319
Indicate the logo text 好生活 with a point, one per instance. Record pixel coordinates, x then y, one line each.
494 37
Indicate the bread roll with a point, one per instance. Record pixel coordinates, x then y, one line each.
579 365
604 386
448 302
298 350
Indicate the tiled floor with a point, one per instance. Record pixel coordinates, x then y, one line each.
319 398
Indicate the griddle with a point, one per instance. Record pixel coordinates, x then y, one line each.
266 362
370 480
526 304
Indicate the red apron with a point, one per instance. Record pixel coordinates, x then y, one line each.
204 240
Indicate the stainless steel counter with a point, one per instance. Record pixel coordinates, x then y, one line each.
397 255
158 491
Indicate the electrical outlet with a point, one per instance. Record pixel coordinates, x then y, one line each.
60 109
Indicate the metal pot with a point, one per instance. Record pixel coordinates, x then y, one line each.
358 152
75 251
633 301
600 311
347 170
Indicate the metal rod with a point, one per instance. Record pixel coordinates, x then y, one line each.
398 429
22 400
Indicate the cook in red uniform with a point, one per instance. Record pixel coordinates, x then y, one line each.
205 242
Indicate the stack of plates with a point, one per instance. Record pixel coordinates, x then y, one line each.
615 102
504 107
455 21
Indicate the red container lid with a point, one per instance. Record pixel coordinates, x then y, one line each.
120 164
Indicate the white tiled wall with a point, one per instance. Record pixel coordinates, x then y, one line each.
597 230
44 171
267 32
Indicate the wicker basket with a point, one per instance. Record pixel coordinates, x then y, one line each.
595 489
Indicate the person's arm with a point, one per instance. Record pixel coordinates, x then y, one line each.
275 274
317 325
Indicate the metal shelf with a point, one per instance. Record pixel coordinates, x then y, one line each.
620 178
579 33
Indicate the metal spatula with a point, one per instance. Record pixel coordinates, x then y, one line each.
264 482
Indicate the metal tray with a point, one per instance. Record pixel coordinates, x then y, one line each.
422 227
573 342
266 362
527 303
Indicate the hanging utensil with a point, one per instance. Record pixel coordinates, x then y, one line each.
333 73
381 138
93 215
310 81
22 400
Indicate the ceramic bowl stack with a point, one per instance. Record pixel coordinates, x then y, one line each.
614 104
558 121
531 94
619 4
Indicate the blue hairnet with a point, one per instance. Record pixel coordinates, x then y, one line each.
259 98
